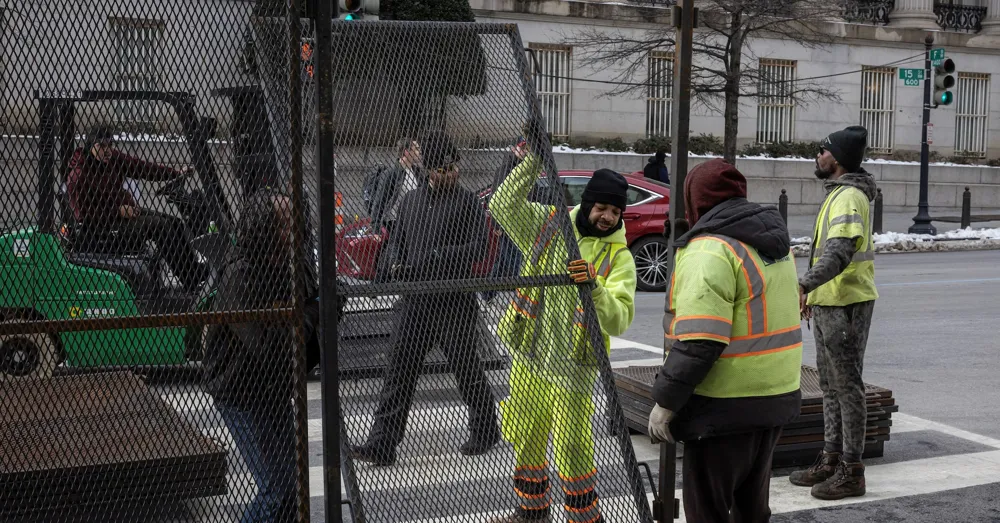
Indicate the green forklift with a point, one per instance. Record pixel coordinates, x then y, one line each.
47 274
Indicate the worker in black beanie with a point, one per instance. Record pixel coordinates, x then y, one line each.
605 187
847 148
838 293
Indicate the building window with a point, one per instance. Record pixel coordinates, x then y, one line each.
775 106
659 95
137 51
878 103
552 71
972 114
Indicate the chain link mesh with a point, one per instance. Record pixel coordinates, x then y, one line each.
158 254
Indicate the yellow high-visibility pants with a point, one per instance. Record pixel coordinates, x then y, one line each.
535 409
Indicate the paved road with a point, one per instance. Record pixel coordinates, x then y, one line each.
933 343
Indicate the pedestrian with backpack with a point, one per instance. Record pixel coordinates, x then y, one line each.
385 186
384 190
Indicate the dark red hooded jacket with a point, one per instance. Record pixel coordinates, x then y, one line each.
97 189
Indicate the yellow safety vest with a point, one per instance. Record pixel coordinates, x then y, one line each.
526 303
845 214
723 291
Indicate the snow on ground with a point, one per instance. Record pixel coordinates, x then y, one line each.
896 237
956 240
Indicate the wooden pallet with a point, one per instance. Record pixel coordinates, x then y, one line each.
801 439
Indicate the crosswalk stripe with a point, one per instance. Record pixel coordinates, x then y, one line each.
906 423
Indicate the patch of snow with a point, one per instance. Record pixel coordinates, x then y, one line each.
957 234
804 239
577 150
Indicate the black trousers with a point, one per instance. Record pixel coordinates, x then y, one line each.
451 321
172 240
726 479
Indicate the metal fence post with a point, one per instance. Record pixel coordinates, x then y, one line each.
966 209
877 225
783 206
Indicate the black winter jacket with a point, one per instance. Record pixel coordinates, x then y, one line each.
698 416
388 192
439 234
249 365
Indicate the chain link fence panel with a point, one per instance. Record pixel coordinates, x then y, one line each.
158 315
476 381
158 251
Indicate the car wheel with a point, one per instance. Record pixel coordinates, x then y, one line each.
27 356
652 259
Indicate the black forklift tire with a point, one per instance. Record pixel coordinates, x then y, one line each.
27 356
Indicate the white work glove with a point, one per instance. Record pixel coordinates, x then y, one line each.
659 425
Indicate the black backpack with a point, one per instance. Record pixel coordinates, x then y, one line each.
373 182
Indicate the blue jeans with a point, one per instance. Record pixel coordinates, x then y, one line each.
266 439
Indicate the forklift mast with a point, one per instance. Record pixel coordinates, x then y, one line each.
57 123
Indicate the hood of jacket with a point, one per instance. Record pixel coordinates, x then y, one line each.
861 180
753 224
615 237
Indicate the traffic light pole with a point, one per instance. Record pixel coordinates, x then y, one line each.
922 221
685 17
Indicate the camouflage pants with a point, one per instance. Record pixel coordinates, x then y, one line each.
841 337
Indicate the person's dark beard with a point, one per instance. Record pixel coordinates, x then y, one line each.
589 229
822 174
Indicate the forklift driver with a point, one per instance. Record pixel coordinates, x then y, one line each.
101 203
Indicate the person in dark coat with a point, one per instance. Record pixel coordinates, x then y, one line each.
656 169
731 377
101 203
248 366
440 234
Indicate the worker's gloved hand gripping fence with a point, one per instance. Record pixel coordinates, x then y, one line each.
159 344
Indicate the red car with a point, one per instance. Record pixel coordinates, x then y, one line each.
648 201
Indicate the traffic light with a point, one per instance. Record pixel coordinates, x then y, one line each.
944 81
358 9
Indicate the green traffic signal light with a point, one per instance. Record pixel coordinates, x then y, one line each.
944 79
349 17
944 98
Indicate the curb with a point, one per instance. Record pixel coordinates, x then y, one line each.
910 246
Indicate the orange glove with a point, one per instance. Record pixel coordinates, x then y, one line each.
582 271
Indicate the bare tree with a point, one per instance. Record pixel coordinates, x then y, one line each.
726 67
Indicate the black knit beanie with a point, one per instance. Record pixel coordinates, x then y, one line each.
606 186
848 147
438 150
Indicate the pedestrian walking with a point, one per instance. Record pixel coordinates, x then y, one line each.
730 380
838 295
554 367
440 233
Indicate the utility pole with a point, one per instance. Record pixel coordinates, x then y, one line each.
922 221
685 19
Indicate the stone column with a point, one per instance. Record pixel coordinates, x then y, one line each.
991 23
915 14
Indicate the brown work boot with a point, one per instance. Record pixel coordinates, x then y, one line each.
517 517
823 469
849 481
